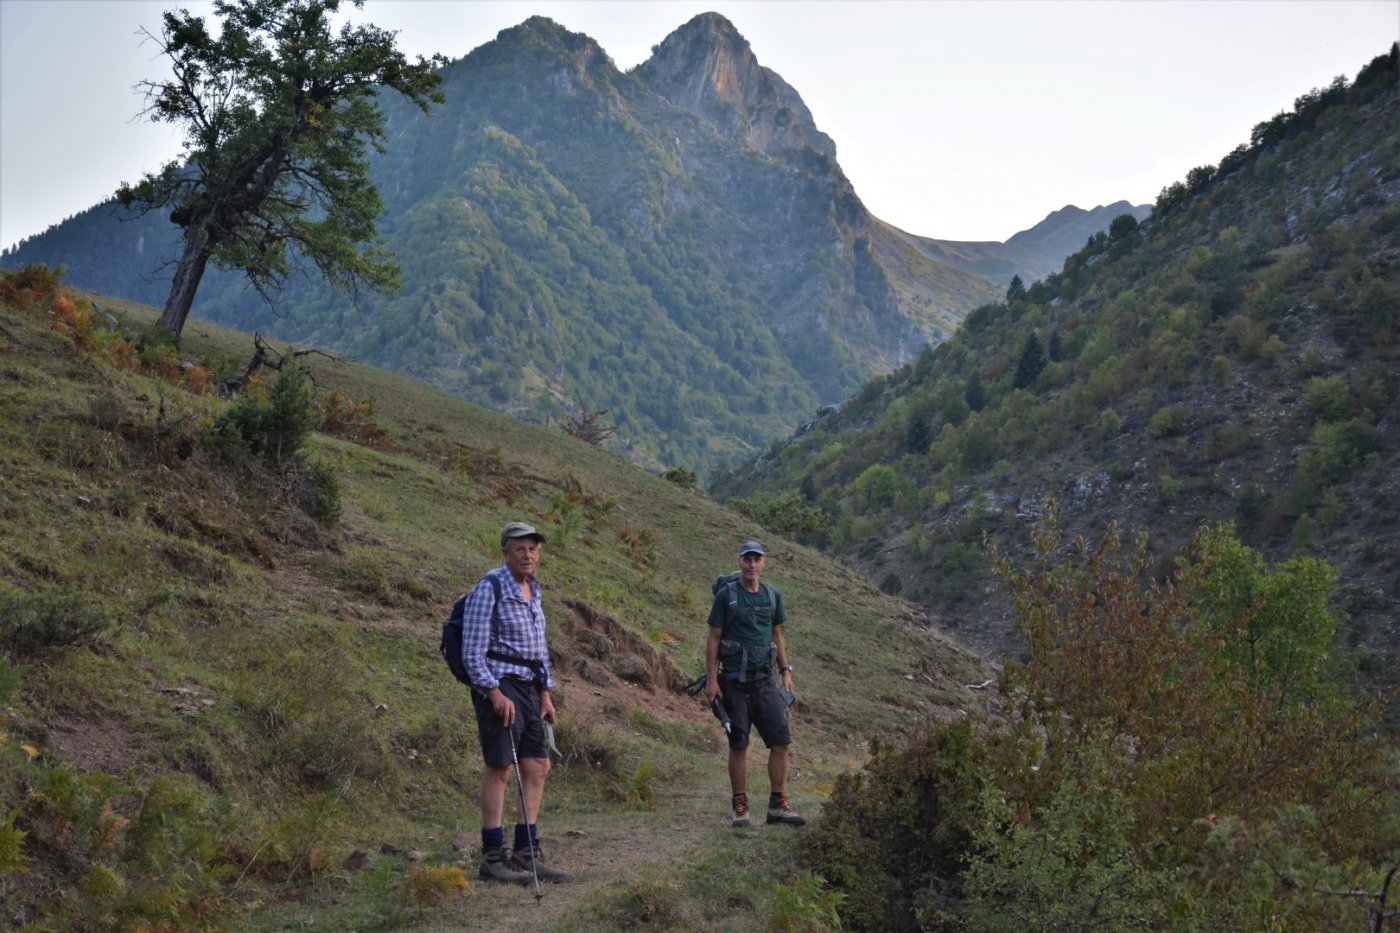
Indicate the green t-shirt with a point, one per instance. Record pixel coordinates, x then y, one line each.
753 619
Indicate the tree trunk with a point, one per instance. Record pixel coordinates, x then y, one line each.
190 269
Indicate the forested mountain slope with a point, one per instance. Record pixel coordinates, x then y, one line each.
677 245
1234 358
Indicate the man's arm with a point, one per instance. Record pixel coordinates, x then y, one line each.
780 650
477 614
712 663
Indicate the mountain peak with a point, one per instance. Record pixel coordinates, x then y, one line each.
1076 223
707 66
582 50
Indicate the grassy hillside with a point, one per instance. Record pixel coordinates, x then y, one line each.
220 699
1232 359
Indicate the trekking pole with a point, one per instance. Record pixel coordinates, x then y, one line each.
524 816
716 705
722 714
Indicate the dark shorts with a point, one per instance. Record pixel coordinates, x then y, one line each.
528 729
756 704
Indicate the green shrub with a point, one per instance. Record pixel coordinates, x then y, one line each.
1069 866
788 514
1337 449
1378 307
891 584
900 831
318 490
50 617
1110 425
875 488
978 447
1250 506
1167 422
276 428
686 479
1329 399
1246 335
1170 755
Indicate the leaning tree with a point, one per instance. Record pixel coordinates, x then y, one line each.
278 112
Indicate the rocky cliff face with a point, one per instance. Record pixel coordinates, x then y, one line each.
708 67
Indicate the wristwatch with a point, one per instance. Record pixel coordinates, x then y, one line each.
785 670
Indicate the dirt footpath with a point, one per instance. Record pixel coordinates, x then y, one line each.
604 851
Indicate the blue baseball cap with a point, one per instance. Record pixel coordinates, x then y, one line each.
750 547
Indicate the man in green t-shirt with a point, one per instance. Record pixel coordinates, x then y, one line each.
745 643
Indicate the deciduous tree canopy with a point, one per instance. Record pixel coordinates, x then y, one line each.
277 112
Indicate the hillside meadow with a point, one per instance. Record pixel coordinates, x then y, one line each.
224 700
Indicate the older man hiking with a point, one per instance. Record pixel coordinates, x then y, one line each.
504 649
746 641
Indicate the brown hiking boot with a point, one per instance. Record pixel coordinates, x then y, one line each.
741 811
497 866
783 814
523 859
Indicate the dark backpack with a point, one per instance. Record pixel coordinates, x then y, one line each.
451 644
761 658
730 581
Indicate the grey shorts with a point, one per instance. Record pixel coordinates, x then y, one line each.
755 704
528 729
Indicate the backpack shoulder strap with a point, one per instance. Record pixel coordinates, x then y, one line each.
731 608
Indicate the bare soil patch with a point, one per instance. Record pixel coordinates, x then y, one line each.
103 743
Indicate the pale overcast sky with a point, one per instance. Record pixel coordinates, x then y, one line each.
956 120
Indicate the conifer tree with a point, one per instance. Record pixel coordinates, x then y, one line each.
919 434
1016 291
1031 363
974 394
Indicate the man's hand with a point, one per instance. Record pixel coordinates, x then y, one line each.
546 707
711 687
503 706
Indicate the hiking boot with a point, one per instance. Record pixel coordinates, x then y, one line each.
497 866
740 818
783 814
523 859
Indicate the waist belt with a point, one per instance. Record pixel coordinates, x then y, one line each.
746 673
536 667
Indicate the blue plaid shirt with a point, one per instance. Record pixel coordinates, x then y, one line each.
518 630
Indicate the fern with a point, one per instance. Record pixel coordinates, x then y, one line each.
13 861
